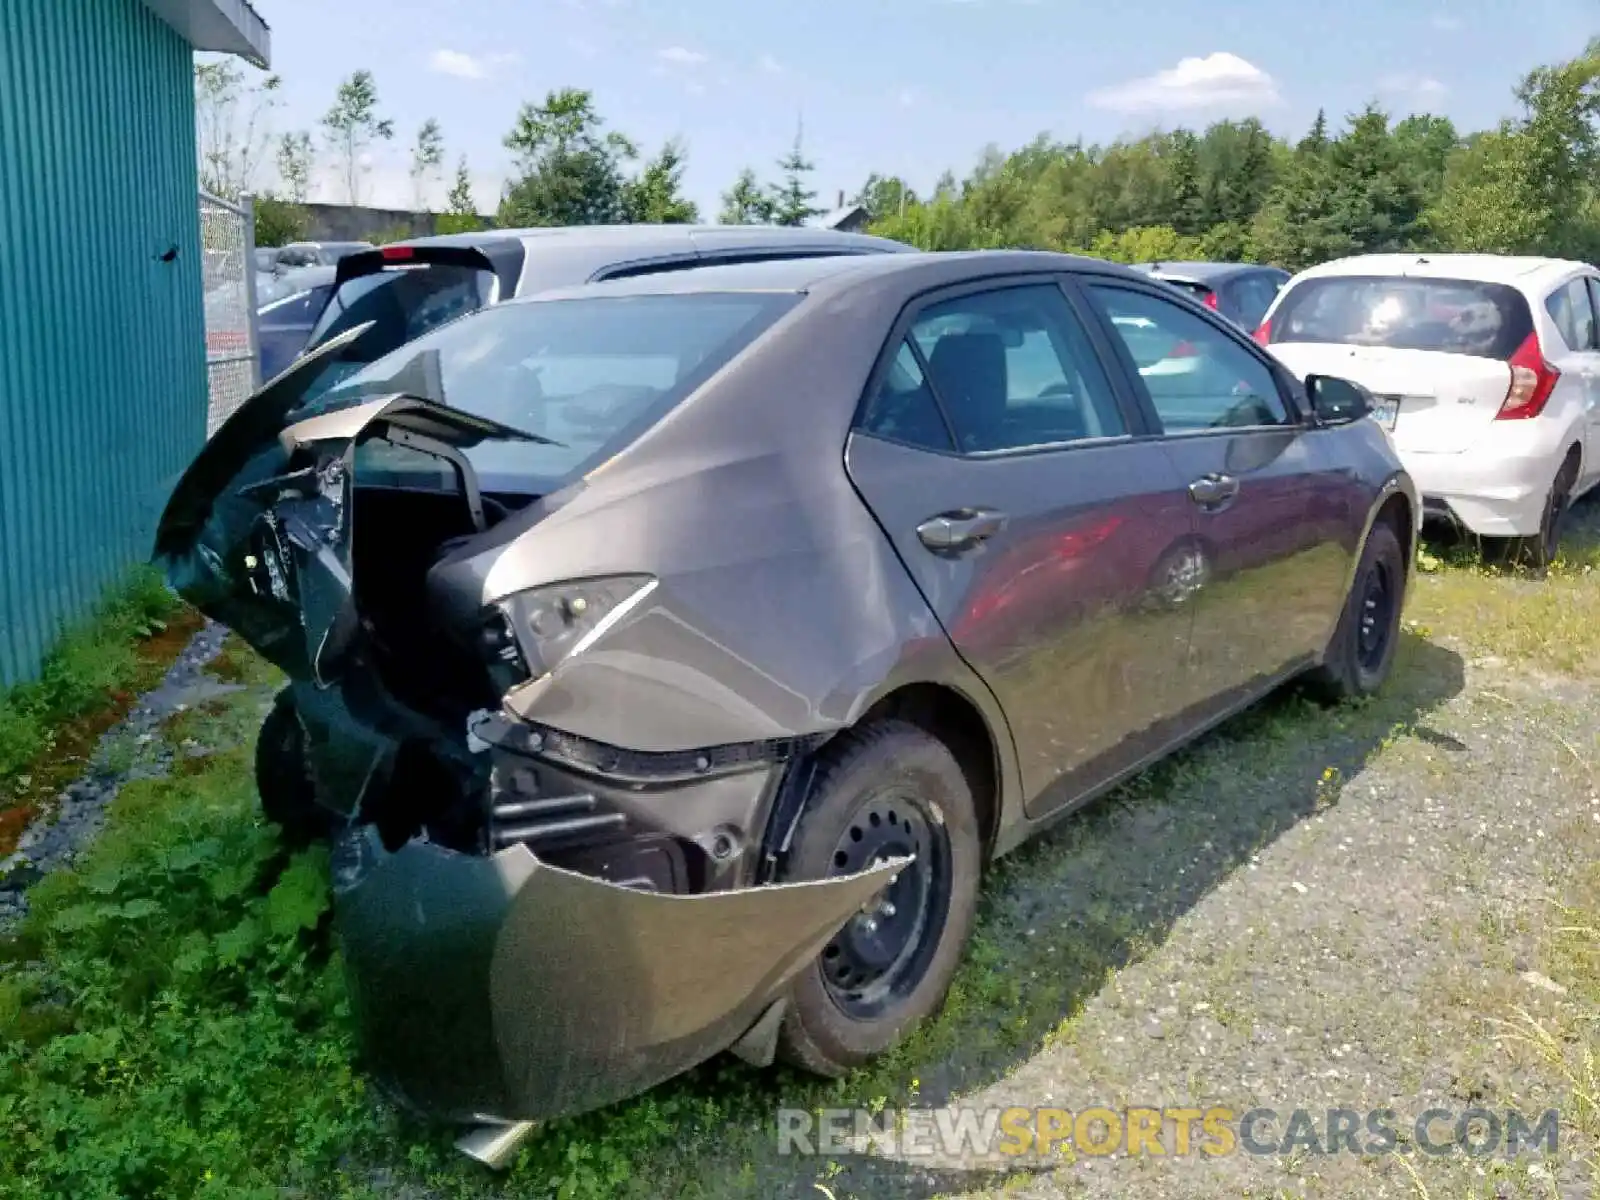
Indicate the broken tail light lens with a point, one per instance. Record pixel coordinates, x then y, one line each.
554 623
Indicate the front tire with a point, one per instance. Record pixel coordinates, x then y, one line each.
1364 642
882 792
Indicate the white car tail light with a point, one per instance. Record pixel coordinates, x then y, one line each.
1532 381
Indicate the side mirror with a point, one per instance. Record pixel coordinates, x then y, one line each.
1336 401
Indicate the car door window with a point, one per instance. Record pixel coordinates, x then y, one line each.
902 408
1198 377
1572 310
1013 368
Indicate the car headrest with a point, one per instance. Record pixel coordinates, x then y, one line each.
969 371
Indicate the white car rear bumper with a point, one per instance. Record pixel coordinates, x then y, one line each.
1498 487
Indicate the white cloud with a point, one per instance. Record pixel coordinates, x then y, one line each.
1219 80
466 66
1445 23
457 63
680 56
770 65
1417 87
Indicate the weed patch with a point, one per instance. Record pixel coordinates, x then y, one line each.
49 726
174 1022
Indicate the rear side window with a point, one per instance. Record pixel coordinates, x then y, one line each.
1254 295
592 374
1013 368
903 408
1570 308
1449 316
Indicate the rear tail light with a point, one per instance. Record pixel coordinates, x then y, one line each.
1209 300
1532 381
1263 335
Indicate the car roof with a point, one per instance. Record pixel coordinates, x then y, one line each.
1516 270
1199 272
665 238
829 274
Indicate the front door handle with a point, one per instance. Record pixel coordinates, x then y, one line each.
1211 491
962 529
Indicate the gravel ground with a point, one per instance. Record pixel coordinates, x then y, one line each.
1311 909
130 749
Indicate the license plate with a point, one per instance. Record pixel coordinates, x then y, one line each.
1385 410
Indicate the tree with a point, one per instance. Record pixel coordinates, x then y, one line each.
745 203
570 168
461 210
278 222
791 198
1147 243
427 156
884 196
352 125
1343 196
656 196
295 161
1184 210
1530 186
231 126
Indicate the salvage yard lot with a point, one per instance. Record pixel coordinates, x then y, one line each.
1355 908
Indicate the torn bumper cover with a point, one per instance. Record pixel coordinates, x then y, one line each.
502 988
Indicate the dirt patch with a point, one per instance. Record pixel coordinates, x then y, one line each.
27 794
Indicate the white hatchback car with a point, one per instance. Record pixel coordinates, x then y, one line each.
1486 371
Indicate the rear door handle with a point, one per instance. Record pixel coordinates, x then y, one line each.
961 529
1210 491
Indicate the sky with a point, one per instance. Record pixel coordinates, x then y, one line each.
907 87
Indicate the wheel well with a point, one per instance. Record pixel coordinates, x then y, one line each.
1396 512
947 715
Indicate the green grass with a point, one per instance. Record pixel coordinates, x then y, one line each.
97 658
171 1021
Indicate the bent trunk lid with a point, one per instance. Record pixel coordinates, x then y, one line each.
1446 400
257 533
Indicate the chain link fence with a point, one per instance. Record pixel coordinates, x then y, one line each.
227 251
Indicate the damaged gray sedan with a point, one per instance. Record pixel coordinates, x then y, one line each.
669 655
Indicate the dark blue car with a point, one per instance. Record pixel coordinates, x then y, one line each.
286 311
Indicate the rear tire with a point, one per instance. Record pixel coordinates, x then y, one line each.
879 792
1364 642
283 779
1540 550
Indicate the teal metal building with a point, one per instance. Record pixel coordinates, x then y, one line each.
102 340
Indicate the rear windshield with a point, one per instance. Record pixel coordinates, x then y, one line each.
1452 316
592 374
404 303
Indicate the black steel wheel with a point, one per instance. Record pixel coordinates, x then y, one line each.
890 790
878 958
1358 658
1377 604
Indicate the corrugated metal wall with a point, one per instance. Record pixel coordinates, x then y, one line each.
102 345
